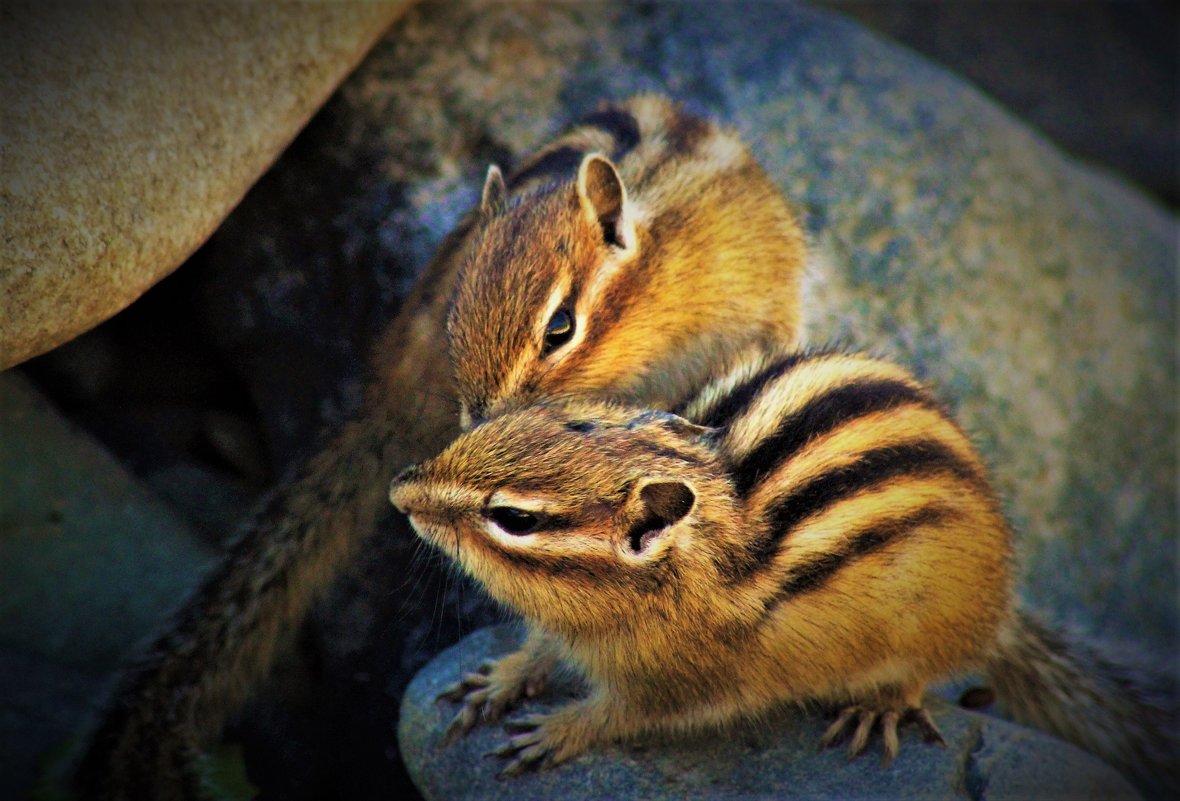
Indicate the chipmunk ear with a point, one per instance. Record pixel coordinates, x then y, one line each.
495 193
604 199
662 503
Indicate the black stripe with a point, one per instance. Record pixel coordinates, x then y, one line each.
561 162
874 467
741 396
685 132
619 124
821 415
814 573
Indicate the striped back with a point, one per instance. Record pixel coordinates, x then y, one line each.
838 454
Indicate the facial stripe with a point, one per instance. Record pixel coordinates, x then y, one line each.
509 384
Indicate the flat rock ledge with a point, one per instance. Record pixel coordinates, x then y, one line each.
777 758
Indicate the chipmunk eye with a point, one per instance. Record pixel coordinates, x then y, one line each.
514 521
558 331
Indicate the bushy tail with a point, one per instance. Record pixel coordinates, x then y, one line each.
1059 683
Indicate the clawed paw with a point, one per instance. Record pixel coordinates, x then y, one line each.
527 749
484 701
860 720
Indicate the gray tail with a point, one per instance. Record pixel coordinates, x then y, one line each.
1062 684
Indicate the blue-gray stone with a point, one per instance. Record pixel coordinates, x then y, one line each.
90 563
769 759
89 560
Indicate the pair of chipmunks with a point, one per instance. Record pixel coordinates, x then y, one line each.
704 520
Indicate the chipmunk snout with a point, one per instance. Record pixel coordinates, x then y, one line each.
397 497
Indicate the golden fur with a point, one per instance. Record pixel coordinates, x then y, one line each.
669 244
696 576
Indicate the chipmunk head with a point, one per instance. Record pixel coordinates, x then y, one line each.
549 504
521 324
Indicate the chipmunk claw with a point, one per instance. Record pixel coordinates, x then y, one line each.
464 721
526 751
470 681
864 718
485 698
532 747
525 723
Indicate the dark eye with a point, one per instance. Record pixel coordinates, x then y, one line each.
514 521
558 331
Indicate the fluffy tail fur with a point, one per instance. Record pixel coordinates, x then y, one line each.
1053 681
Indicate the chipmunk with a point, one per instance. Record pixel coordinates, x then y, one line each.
667 252
815 527
627 258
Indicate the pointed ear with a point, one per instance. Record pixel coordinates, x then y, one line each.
603 198
673 422
495 194
662 503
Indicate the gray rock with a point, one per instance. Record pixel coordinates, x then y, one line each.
771 759
90 563
89 560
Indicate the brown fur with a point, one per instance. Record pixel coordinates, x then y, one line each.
866 559
703 258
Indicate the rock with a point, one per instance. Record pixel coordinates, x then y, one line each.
90 563
89 560
772 759
41 704
1120 111
133 130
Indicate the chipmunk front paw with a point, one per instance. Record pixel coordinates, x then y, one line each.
542 741
492 690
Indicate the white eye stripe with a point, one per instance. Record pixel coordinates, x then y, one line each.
556 298
525 503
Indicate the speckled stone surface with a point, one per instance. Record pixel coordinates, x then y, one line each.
773 759
131 130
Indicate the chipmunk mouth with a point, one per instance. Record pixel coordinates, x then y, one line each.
438 530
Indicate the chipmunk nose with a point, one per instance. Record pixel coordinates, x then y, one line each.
400 480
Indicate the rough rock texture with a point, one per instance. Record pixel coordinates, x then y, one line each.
89 564
133 129
773 759
1102 79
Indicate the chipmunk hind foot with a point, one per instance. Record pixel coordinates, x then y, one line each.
857 722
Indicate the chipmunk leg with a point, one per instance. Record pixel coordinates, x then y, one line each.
889 710
498 684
